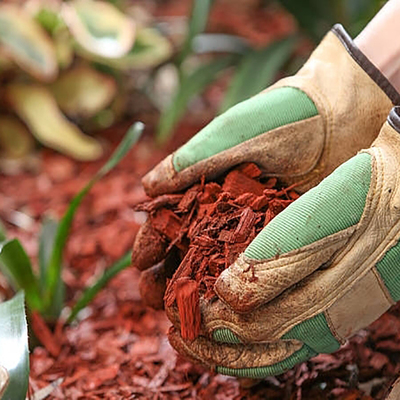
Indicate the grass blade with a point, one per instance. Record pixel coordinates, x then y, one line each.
2 232
197 24
131 137
264 64
46 244
190 86
14 355
18 266
314 16
54 266
92 291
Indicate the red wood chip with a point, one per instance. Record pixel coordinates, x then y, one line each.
187 299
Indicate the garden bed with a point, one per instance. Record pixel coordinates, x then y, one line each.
119 350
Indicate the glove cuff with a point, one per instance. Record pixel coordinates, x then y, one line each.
362 60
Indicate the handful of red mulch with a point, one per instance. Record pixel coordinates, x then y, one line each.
210 224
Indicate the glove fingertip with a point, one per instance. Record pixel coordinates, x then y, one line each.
149 247
238 292
160 179
152 285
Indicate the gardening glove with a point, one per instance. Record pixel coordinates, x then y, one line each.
325 267
300 129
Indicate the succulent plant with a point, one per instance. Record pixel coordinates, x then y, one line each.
51 58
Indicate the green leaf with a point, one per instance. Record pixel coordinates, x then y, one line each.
14 354
15 140
88 295
36 106
54 267
27 42
316 17
263 64
46 244
49 18
18 266
197 24
150 49
190 86
131 137
83 91
99 27
3 234
359 13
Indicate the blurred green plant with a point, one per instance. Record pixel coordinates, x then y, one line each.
254 69
61 65
14 354
44 291
317 17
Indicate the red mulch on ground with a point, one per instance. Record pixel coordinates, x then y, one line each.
119 350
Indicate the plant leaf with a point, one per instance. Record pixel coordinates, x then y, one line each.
90 292
219 42
150 49
190 86
83 91
359 13
48 16
27 42
4 380
99 27
314 16
5 61
264 64
2 232
14 354
36 106
54 266
18 266
64 48
197 24
15 140
46 244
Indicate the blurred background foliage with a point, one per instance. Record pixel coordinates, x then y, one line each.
61 67
72 66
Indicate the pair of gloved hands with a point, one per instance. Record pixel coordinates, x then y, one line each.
329 264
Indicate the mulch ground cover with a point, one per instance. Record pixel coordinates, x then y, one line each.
119 350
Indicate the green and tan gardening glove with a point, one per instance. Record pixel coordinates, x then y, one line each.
300 129
325 267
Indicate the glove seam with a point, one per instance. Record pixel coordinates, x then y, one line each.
383 286
333 239
332 328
